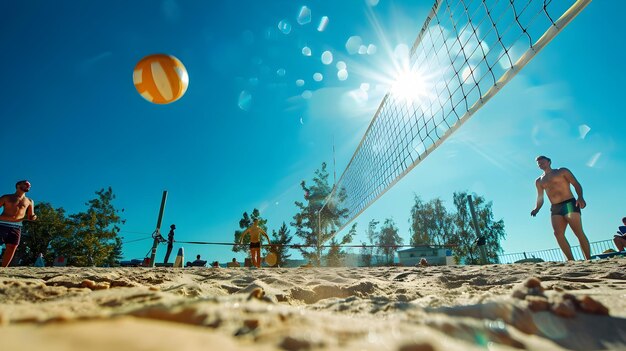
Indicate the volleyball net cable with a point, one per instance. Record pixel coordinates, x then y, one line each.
297 246
466 51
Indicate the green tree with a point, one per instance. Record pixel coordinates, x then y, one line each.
431 224
37 236
336 256
389 240
95 231
367 250
442 228
280 242
316 225
116 254
465 236
418 220
245 222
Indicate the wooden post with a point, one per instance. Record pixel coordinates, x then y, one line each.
480 241
157 232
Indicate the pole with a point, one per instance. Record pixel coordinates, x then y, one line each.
157 232
481 240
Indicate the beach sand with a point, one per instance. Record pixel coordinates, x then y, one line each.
538 306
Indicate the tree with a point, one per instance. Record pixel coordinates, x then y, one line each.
280 242
95 231
431 224
316 225
389 240
116 254
245 222
418 220
37 236
465 235
336 256
442 227
367 250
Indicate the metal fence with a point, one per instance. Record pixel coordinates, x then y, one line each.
556 255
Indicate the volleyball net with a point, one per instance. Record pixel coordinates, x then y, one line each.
466 51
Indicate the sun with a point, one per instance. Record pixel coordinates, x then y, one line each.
411 85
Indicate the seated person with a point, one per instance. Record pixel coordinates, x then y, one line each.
197 263
620 238
233 263
215 264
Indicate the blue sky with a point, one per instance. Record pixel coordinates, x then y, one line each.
73 122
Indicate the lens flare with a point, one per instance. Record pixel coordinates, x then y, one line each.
305 16
323 24
327 57
284 26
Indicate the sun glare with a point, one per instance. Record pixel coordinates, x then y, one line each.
411 85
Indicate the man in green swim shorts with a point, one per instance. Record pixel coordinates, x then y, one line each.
565 208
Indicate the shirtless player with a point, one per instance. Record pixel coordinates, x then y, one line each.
255 241
565 208
16 207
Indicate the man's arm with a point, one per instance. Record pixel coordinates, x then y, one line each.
539 198
3 199
242 235
30 211
266 237
569 176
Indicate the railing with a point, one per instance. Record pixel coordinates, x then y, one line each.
597 247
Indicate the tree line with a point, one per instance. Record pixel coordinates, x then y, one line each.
91 237
88 238
431 223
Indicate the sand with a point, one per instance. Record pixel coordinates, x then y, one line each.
539 306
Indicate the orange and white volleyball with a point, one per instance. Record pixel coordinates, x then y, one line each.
160 78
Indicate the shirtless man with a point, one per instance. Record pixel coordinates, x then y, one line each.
16 207
565 208
255 241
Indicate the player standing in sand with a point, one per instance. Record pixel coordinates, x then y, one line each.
170 243
565 208
255 241
16 208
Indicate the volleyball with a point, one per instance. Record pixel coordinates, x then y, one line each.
271 259
160 78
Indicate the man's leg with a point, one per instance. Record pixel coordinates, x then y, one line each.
559 224
619 242
8 254
253 253
575 222
258 258
167 254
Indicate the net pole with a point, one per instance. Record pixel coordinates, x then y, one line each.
157 233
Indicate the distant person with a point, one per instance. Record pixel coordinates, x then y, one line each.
16 208
233 263
565 208
620 238
170 243
255 241
197 263
215 264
